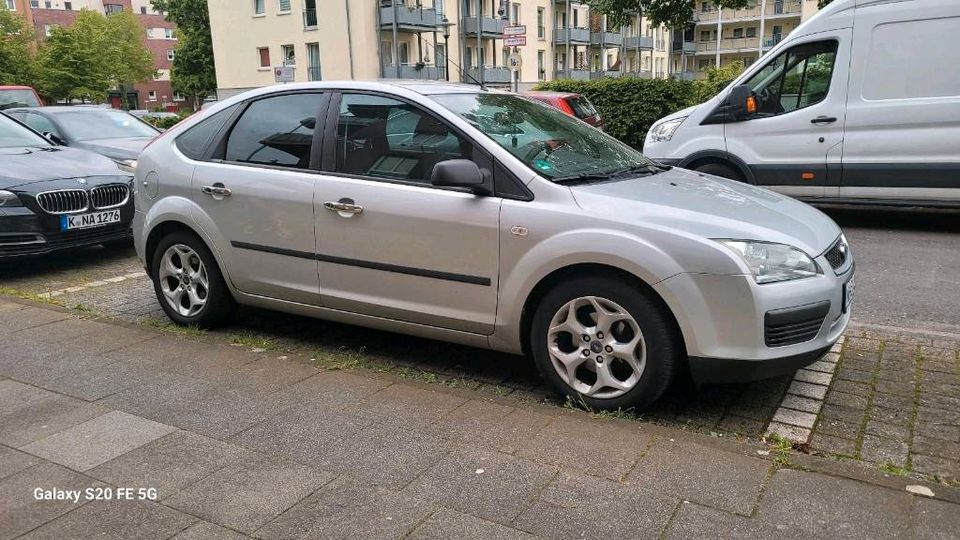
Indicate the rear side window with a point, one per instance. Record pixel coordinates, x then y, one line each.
581 106
894 70
276 131
193 143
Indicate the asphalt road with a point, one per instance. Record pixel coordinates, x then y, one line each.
908 267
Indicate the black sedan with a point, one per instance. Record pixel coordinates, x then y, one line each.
116 134
53 198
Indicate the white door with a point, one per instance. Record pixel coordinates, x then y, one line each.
801 97
258 191
903 114
405 250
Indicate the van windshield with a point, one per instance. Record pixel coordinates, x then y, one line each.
548 141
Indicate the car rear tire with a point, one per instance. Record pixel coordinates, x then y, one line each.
188 283
720 169
606 342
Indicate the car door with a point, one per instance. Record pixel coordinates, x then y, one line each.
903 113
257 191
797 129
390 244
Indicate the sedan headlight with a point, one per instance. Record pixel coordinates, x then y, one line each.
770 262
8 199
664 130
127 165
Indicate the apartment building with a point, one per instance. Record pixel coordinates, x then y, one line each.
159 36
456 40
718 37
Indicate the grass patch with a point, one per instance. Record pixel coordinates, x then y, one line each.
895 470
253 340
33 297
781 449
580 405
168 326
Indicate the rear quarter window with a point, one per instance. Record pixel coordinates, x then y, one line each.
894 70
195 141
581 107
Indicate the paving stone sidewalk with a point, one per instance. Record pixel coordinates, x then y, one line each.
240 444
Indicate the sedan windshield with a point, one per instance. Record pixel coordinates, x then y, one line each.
91 124
13 134
548 141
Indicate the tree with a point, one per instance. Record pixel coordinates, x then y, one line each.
128 59
716 79
16 52
672 13
193 72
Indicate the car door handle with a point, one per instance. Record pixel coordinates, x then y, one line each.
343 207
217 190
823 120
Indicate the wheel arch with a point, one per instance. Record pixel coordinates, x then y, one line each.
718 156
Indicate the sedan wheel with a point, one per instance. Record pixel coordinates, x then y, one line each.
188 283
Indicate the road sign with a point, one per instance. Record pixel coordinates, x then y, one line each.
514 41
514 61
283 74
517 30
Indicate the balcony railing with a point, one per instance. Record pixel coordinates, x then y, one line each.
772 9
638 42
489 26
309 19
686 75
642 74
412 71
606 39
575 74
771 41
313 73
410 17
493 75
577 35
729 45
608 74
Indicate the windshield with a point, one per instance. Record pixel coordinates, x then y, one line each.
548 141
17 98
91 124
13 134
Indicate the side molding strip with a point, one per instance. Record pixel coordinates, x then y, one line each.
448 276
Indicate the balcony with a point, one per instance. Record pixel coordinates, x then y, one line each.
310 19
729 45
407 17
770 42
574 74
489 27
686 75
412 71
491 75
578 36
606 39
638 42
639 74
608 74
777 8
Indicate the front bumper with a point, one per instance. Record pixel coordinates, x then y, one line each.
733 328
25 234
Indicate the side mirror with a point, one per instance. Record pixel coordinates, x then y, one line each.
54 139
461 173
741 104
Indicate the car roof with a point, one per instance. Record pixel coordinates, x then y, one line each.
547 93
54 109
14 87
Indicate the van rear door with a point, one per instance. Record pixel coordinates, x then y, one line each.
903 112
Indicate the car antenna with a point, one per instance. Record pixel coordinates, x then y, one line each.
483 85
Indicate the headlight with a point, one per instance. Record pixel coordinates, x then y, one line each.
773 262
127 165
8 199
664 130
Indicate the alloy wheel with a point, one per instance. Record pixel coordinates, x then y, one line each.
183 280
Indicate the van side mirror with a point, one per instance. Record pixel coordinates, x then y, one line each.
741 104
462 173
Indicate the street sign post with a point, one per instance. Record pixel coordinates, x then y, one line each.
520 29
283 74
514 41
515 62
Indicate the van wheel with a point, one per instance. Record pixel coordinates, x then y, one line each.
605 342
188 282
719 169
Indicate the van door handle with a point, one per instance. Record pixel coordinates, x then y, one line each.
217 190
823 120
343 207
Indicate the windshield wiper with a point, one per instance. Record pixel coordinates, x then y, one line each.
636 171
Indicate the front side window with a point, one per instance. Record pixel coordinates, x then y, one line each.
39 123
387 138
794 79
275 131
545 139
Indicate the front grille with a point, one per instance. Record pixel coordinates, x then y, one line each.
109 196
63 201
837 254
794 325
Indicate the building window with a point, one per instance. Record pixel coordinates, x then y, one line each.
143 10
704 35
11 5
48 29
541 71
152 95
284 6
313 61
541 30
738 32
177 96
48 4
258 7
68 6
289 56
169 33
752 32
171 54
515 13
34 3
110 9
706 7
264 56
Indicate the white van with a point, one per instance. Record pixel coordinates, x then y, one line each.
860 104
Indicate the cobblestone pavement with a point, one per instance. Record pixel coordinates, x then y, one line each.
186 439
891 400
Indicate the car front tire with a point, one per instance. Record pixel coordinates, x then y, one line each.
605 342
188 283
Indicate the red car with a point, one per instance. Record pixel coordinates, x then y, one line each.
575 105
18 96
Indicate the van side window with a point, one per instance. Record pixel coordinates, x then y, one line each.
796 78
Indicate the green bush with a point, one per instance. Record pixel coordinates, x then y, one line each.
163 123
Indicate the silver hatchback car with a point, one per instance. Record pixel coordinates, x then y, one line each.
486 219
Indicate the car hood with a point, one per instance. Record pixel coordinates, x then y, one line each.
25 165
115 148
710 207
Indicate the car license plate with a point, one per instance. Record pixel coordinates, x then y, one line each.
85 221
848 291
